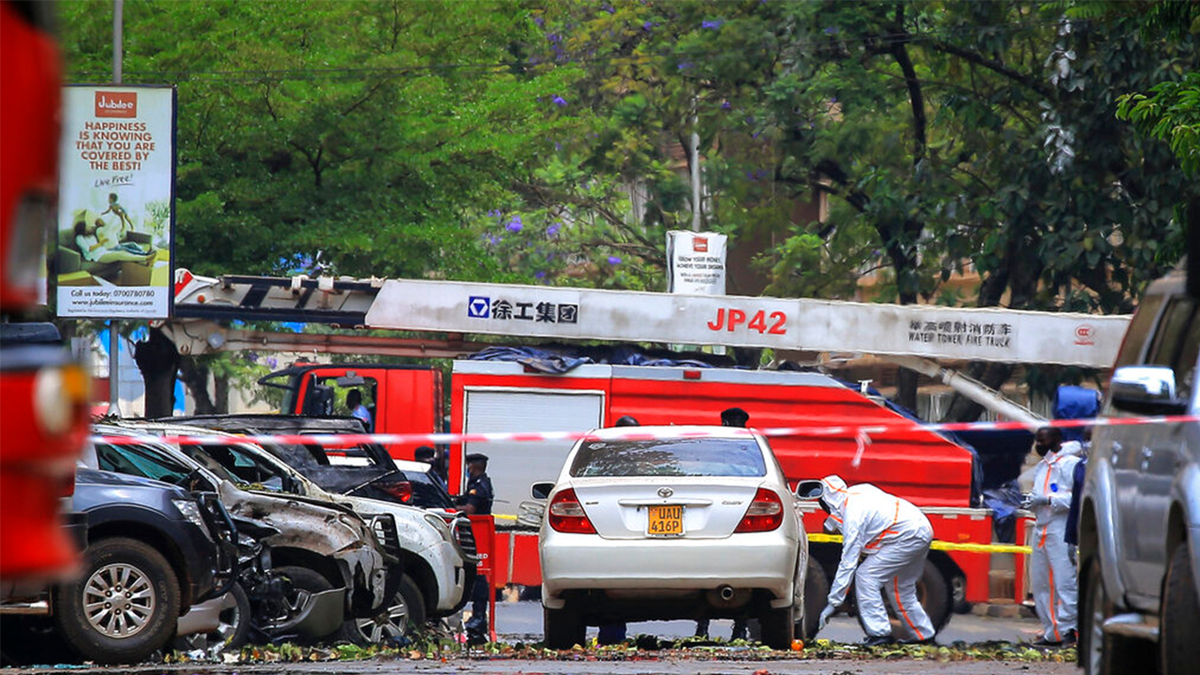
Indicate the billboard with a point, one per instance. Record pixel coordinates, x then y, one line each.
696 262
114 252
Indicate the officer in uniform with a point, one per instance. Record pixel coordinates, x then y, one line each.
478 502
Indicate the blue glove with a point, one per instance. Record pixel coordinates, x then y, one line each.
825 614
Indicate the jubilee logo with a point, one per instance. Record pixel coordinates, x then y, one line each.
118 104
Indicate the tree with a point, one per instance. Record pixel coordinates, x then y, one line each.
372 133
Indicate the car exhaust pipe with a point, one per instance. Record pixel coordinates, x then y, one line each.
726 593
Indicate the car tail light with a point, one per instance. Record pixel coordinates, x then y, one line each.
765 513
401 490
566 514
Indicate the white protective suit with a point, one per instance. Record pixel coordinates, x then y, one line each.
895 536
1055 590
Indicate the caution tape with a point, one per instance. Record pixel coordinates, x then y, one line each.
860 433
822 538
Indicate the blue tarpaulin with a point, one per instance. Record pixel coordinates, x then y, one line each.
1075 403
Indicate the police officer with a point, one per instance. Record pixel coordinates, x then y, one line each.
478 502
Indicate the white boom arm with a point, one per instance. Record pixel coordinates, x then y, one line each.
906 334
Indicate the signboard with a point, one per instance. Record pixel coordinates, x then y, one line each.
696 262
116 212
780 323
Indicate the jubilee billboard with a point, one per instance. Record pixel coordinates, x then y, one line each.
114 252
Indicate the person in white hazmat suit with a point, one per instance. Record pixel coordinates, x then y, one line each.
1055 590
894 537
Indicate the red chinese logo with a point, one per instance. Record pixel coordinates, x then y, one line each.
1085 334
700 244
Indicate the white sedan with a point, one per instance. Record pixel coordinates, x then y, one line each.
650 523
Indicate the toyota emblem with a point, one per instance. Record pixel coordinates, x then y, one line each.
665 492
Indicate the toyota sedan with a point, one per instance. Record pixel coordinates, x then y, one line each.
659 523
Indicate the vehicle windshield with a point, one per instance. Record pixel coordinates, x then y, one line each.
670 457
140 460
236 465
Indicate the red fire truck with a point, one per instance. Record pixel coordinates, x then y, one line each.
43 392
488 396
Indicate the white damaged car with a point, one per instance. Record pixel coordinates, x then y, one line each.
658 523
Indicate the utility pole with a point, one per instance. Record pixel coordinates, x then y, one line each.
695 169
114 333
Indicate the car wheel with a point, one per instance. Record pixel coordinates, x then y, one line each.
935 596
1101 654
563 628
816 593
1180 624
235 621
403 615
305 583
778 626
124 606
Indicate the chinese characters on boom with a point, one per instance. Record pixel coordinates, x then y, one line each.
483 307
961 333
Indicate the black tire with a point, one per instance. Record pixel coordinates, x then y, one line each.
935 595
1101 654
563 628
778 627
403 615
234 630
816 594
111 568
1179 646
1093 610
304 581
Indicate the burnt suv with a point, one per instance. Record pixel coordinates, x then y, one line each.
1139 523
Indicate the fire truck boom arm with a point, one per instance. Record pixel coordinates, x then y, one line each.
556 313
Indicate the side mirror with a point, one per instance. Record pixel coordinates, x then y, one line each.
1145 390
541 490
530 514
810 489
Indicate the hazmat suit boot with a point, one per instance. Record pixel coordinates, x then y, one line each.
1055 590
877 640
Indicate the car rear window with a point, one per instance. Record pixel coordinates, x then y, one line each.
672 457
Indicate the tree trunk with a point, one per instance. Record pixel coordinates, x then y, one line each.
158 360
221 394
195 378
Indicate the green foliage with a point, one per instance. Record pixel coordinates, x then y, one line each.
1170 113
370 131
407 139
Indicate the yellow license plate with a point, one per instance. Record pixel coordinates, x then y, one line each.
665 521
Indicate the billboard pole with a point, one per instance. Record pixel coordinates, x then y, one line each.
114 337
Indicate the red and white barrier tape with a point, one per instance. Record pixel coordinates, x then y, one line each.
860 433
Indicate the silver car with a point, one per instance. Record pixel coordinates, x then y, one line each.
671 522
1139 521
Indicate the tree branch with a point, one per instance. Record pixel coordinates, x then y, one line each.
994 66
